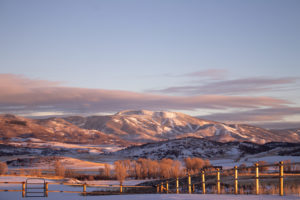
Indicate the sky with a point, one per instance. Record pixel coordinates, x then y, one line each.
232 61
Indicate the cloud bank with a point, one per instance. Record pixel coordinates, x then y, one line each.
20 94
256 115
235 87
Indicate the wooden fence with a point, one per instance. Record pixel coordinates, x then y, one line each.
215 175
187 185
83 186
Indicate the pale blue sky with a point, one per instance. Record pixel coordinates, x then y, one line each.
149 46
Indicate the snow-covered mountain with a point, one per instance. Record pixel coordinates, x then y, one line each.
149 126
136 127
52 129
172 135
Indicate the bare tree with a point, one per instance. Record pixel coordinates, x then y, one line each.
3 168
166 167
106 170
145 167
188 163
138 170
153 168
59 169
176 169
194 165
120 171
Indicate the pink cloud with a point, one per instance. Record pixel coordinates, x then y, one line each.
235 86
20 94
256 115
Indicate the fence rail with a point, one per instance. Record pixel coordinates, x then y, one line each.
84 187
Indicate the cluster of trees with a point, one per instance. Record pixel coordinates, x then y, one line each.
194 165
147 168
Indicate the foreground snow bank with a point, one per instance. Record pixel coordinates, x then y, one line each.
59 196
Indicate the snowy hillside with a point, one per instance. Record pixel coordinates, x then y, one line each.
203 148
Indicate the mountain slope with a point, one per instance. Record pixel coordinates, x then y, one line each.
149 126
290 134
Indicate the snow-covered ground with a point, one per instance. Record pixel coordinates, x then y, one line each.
38 143
60 196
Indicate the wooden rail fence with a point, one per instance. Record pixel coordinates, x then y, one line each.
83 186
164 185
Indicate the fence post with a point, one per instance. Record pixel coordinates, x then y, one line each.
218 181
23 189
203 182
177 186
46 189
167 187
281 178
256 178
84 188
189 183
235 180
121 188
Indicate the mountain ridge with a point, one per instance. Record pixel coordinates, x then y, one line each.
148 126
137 127
52 129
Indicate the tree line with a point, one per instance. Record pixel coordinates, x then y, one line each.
152 169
